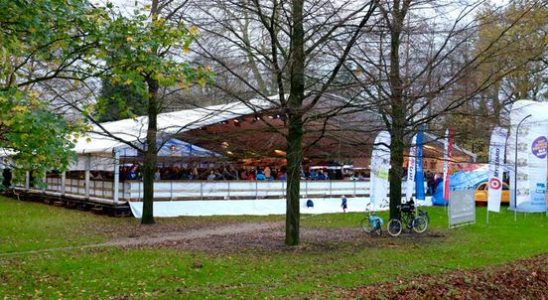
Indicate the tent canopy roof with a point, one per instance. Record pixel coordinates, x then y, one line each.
106 137
173 148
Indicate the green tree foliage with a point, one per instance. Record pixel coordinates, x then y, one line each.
137 49
36 139
119 102
39 40
517 61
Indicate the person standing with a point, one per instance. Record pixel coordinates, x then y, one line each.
344 203
267 173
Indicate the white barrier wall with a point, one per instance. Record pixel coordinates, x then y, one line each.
248 207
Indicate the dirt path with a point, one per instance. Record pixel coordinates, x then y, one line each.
192 234
184 236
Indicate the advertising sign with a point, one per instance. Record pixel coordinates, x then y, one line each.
446 159
380 164
410 186
496 157
462 207
528 181
419 178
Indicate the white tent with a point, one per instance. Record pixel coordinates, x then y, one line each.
97 150
106 137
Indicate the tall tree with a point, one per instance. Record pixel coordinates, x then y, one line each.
284 46
410 66
143 54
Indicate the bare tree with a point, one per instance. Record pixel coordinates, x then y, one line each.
281 49
410 68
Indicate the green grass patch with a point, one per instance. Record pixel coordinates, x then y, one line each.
165 273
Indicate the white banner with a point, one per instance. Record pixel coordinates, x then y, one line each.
446 157
380 164
531 167
410 187
496 157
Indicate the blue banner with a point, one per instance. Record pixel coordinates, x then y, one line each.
419 177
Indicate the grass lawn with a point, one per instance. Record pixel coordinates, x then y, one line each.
27 271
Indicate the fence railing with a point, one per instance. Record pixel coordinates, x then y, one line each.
175 190
102 190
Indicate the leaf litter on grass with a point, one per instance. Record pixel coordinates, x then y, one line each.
522 279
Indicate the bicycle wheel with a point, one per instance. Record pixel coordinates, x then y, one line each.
366 225
424 214
394 227
420 224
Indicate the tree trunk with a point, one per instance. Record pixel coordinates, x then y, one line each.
295 123
396 166
294 160
397 128
149 164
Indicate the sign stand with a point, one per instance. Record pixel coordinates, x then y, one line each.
462 208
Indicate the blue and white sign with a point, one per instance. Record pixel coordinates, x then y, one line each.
419 178
411 170
531 164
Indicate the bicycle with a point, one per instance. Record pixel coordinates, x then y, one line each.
372 223
424 214
413 221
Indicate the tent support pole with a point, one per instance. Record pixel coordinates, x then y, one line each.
63 183
87 175
116 182
516 168
27 180
44 183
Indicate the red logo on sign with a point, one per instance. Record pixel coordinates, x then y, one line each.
494 183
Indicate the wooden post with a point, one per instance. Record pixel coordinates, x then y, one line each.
116 180
87 175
